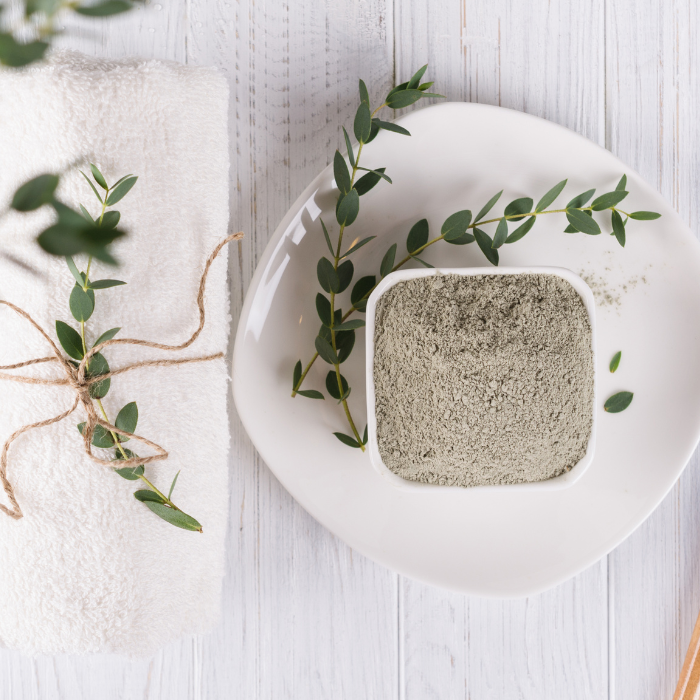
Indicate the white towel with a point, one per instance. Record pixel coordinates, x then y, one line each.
89 568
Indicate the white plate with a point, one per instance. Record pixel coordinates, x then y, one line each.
484 542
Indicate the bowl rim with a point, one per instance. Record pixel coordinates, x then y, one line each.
557 483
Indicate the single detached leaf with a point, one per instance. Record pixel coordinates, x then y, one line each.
521 230
486 244
580 200
172 486
622 185
323 307
550 196
348 208
618 402
130 473
105 8
518 206
456 225
328 238
341 173
368 181
174 517
35 193
70 340
148 496
644 215
332 385
607 200
98 367
325 350
297 374
127 419
615 362
327 276
362 125
350 325
404 98
81 303
107 335
417 236
488 206
388 261
344 342
74 270
414 82
499 238
110 219
105 284
583 223
364 93
99 177
362 289
345 272
347 440
618 228
122 189
348 145
92 187
311 394
100 437
357 246
389 126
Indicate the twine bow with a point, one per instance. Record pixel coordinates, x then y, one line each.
77 379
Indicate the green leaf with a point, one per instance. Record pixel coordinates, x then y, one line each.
398 88
368 181
581 222
364 94
388 261
332 385
328 238
107 335
357 246
99 177
389 126
607 200
348 145
622 185
110 219
127 419
363 288
105 284
121 179
362 125
297 375
414 82
104 9
100 437
379 172
86 215
325 350
456 225
172 486
465 238
404 98
518 206
174 517
422 262
74 269
580 200
417 236
344 342
327 276
486 244
311 394
488 206
148 496
499 238
570 229
81 304
16 55
618 402
345 272
548 198
521 230
365 435
70 340
347 440
425 86
348 208
350 325
323 307
35 193
373 133
341 173
615 362
130 473
644 215
92 187
98 367
618 228
121 190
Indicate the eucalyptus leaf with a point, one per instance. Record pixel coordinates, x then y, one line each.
350 325
131 473
348 208
583 223
550 196
357 246
325 350
348 145
365 435
607 200
98 367
100 437
644 215
70 340
327 276
580 200
362 126
99 177
311 394
615 362
389 126
107 335
344 342
521 230
107 8
81 303
456 225
618 402
398 88
110 219
404 98
417 236
364 93
35 193
327 237
422 262
486 244
105 284
388 261
373 133
121 190
347 440
92 187
341 173
518 206
618 228
15 54
148 496
172 486
323 307
488 206
368 181
345 272
465 238
414 82
332 385
74 269
362 288
379 172
622 185
499 238
174 517
297 375
86 215
127 419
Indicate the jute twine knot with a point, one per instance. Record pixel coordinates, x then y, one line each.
78 379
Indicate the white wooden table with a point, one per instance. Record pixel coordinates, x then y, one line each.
304 616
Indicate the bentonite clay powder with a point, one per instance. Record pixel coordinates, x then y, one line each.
482 379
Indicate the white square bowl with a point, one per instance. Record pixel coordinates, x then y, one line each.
560 482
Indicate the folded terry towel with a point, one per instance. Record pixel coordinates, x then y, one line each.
89 568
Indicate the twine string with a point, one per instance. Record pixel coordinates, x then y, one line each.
78 380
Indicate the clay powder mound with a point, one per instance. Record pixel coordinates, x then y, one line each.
483 379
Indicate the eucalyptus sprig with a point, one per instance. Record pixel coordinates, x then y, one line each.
336 337
82 305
